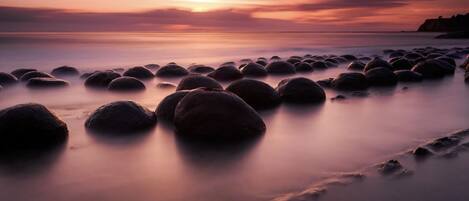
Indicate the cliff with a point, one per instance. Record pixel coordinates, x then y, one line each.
456 23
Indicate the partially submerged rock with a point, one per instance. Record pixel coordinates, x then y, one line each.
444 143
376 63
381 77
350 82
166 85
300 90
30 126
325 82
402 64
172 70
167 106
408 76
254 70
200 69
196 81
21 71
320 65
430 69
226 73
303 67
7 79
257 94
41 83
216 115
121 117
34 74
139 72
65 71
422 152
152 66
280 68
390 167
126 84
356 65
101 79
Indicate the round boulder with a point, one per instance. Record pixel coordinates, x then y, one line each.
430 69
319 65
300 90
126 84
34 74
65 71
139 72
381 76
254 70
303 67
377 63
196 81
280 67
21 71
350 82
201 69
408 76
172 70
402 64
45 82
226 73
30 126
356 65
167 106
121 117
216 115
101 79
152 66
257 94
7 79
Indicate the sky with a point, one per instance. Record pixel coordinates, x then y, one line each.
223 15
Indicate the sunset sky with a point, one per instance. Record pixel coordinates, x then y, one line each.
222 15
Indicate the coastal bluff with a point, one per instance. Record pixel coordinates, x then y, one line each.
456 23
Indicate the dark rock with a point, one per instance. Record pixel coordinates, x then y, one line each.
356 65
262 62
293 60
396 54
276 58
280 67
350 82
172 70
390 167
421 152
447 60
226 73
413 56
121 117
7 79
408 76
339 97
430 69
257 94
152 66
165 85
349 57
402 64
319 65
34 74
101 79
86 75
443 143
167 106
21 71
200 69
30 126
300 90
196 81
216 115
65 71
303 67
254 70
377 63
139 72
381 77
325 82
126 83
45 82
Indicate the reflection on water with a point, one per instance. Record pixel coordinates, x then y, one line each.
301 145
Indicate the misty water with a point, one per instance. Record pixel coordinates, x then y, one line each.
302 144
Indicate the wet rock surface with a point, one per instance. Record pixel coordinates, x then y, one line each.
196 81
139 72
257 94
21 71
350 82
65 71
101 79
226 73
280 68
172 70
167 106
300 90
41 83
126 84
254 70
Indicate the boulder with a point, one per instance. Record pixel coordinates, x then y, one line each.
45 82
319 65
280 67
139 72
254 70
201 69
376 63
101 79
34 74
303 67
216 115
349 57
408 76
166 85
293 60
65 71
196 81
300 90
126 84
402 64
121 117
430 69
262 62
30 126
325 82
167 106
226 73
152 66
381 77
356 65
21 71
350 82
257 94
172 70
7 79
